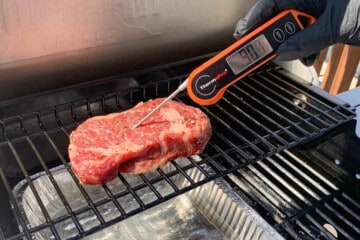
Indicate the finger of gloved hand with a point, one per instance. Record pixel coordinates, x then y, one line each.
260 12
310 60
307 42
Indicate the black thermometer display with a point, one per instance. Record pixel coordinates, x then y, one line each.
249 54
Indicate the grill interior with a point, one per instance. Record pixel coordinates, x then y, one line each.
257 119
299 199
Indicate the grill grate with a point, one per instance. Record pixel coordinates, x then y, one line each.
258 117
300 201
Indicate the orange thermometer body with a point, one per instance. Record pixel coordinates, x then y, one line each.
208 82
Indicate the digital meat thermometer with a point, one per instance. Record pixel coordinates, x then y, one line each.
208 82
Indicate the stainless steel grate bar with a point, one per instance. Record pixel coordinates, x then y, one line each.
311 170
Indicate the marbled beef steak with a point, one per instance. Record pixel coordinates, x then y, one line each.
102 146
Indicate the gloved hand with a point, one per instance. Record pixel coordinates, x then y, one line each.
338 21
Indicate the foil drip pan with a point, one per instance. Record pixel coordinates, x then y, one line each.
210 211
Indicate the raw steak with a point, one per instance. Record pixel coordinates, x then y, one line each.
102 146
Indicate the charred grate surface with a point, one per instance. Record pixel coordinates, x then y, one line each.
257 118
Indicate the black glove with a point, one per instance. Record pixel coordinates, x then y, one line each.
338 21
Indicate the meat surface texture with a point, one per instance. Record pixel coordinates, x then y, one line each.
102 146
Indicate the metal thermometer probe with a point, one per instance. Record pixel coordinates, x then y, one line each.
207 83
181 88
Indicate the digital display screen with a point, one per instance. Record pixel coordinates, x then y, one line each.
249 54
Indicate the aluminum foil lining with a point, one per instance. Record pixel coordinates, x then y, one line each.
210 211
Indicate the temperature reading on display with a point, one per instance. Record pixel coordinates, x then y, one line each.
249 54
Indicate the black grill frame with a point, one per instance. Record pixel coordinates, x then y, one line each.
242 135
